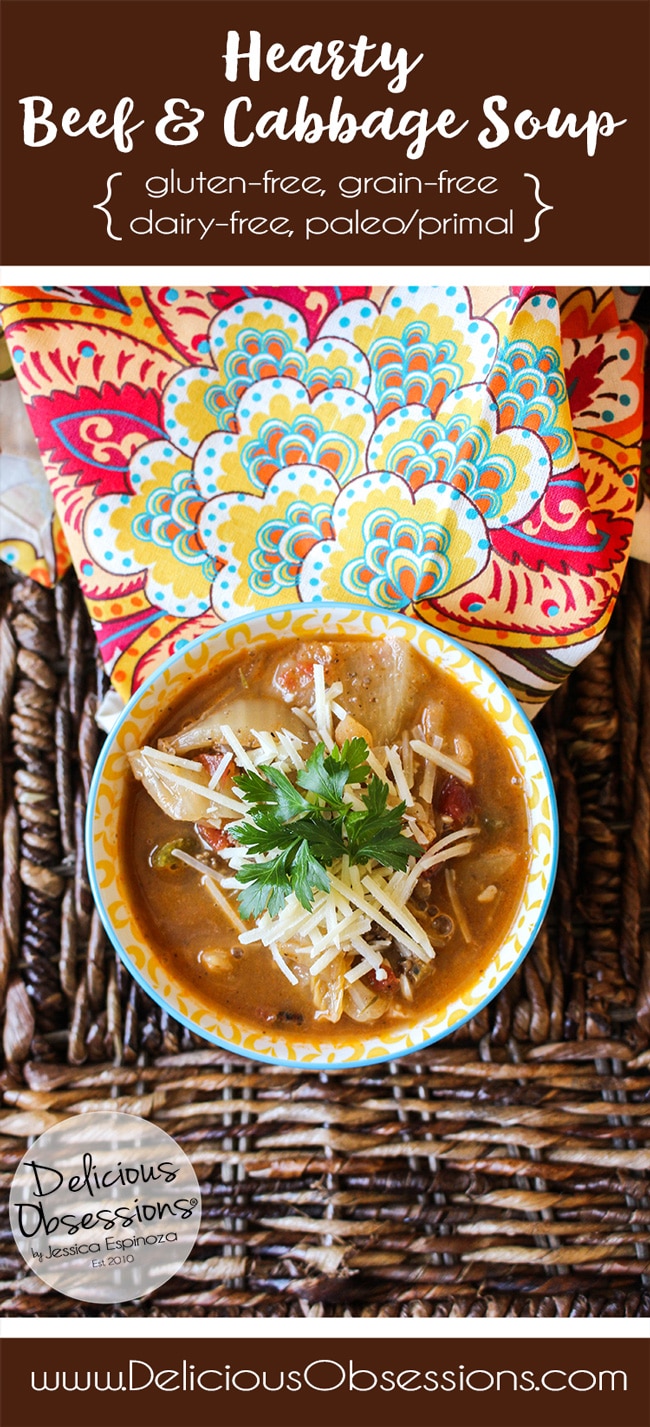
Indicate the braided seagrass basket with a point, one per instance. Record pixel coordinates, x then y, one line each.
502 1173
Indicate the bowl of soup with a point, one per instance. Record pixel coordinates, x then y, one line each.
322 835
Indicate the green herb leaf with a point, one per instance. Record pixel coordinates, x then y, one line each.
267 888
300 837
268 834
265 834
273 791
323 835
324 776
307 873
376 835
327 774
355 753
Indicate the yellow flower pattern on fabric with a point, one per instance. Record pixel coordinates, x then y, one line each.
194 406
21 556
252 341
421 344
278 425
156 530
263 540
259 338
393 546
527 379
503 473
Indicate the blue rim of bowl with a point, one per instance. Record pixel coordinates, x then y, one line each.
218 1041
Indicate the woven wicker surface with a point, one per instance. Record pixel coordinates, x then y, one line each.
502 1173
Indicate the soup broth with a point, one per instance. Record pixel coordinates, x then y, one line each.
440 759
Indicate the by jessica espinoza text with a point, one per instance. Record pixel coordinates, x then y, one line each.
211 206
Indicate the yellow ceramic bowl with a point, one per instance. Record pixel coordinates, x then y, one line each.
203 656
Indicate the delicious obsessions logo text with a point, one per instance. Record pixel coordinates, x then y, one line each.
249 59
34 1214
105 1207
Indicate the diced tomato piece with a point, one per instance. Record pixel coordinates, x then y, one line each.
210 762
456 801
292 678
216 838
388 984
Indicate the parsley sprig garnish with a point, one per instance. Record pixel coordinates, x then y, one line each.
301 833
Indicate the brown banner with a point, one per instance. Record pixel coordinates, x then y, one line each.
206 133
449 1382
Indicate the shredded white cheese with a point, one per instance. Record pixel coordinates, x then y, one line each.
290 745
280 961
443 760
407 759
457 836
361 969
417 832
331 938
403 790
349 796
400 915
173 758
240 753
324 960
370 954
304 717
427 782
456 905
374 764
354 879
321 709
292 919
376 915
211 879
440 852
211 794
220 769
267 746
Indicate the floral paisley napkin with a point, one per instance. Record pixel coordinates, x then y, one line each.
469 456
31 538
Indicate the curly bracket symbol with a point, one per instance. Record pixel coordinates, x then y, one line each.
103 207
542 207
